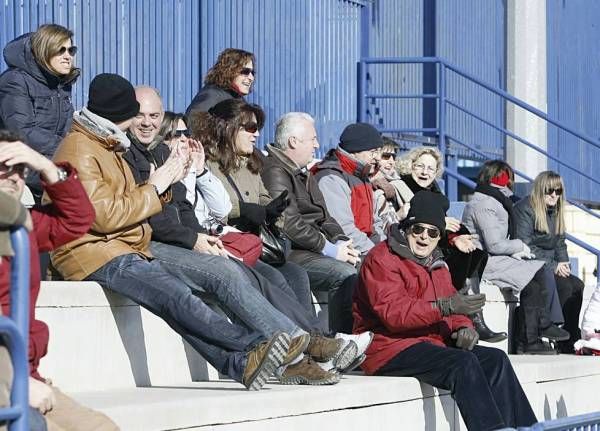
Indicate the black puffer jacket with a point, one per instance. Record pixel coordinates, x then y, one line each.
33 101
209 96
549 247
306 220
176 224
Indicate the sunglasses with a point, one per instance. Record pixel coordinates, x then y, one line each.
418 229
72 50
387 156
250 127
20 169
247 71
557 190
179 133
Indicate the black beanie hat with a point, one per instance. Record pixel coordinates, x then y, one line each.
112 97
429 208
360 137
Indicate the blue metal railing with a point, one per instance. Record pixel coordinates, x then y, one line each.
444 138
586 422
16 330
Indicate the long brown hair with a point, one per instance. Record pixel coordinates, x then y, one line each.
45 44
217 129
544 181
229 64
493 168
169 124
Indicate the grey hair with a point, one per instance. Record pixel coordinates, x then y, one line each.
404 164
287 126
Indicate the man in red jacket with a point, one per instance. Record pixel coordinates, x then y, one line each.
68 217
405 296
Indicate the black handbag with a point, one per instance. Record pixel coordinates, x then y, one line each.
275 244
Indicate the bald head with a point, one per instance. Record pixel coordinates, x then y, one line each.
146 124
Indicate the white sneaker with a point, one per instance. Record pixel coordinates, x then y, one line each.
362 341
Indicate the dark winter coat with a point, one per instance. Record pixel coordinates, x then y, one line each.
209 96
393 300
33 101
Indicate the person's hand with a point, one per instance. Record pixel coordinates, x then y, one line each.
172 171
16 153
347 253
464 243
466 338
563 269
28 223
41 396
452 224
379 182
198 156
277 206
209 244
461 304
524 254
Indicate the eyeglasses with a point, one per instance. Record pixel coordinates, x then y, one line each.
422 167
20 169
72 50
247 71
179 133
557 190
387 156
418 229
250 127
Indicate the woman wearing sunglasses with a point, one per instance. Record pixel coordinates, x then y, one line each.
540 224
511 264
35 91
231 77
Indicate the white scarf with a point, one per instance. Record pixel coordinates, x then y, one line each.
103 127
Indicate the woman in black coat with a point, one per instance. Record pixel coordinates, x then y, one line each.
541 225
35 91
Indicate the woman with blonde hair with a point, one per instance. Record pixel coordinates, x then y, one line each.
541 225
35 91
231 77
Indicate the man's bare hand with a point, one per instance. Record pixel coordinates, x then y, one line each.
16 153
41 396
209 244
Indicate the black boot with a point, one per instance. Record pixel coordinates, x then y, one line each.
527 332
485 333
537 348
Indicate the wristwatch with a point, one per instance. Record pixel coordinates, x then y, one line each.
62 174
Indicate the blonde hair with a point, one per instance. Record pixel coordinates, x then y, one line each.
544 181
47 41
405 163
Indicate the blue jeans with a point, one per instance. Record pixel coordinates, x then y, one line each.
224 279
222 343
335 277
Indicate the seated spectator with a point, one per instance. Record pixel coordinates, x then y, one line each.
190 254
35 90
319 244
510 265
67 218
115 252
419 169
343 178
405 296
540 224
231 77
384 180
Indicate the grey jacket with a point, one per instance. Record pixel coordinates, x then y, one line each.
486 217
549 247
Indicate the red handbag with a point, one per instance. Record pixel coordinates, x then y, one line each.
243 245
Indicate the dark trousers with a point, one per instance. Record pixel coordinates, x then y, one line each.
570 294
482 381
531 315
465 265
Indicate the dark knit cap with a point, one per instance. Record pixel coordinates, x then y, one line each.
429 208
360 137
112 97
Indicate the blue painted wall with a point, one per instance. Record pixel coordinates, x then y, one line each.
573 56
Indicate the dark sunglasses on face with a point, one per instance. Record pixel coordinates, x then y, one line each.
72 50
247 71
418 229
21 169
179 133
250 127
557 190
387 156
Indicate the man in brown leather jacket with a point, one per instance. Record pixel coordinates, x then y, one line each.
318 242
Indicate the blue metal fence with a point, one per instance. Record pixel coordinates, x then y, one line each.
16 329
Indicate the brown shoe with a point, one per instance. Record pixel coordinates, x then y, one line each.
297 346
322 349
307 372
264 359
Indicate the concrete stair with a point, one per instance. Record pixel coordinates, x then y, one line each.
115 357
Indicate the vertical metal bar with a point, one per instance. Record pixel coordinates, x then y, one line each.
429 119
362 88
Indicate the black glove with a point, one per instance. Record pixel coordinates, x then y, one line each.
253 213
466 338
277 206
461 304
